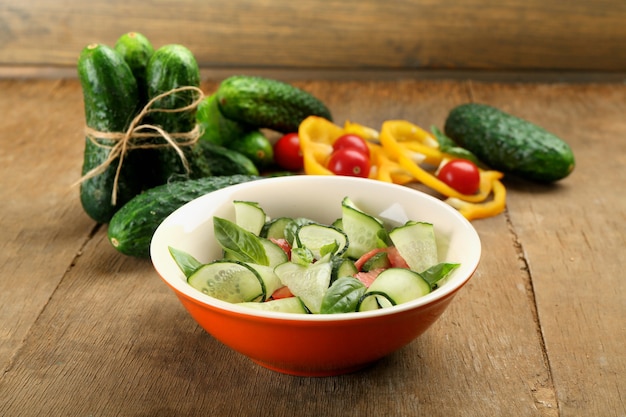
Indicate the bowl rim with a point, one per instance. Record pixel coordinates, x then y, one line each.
180 285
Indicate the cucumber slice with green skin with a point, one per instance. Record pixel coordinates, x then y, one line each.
283 305
230 281
363 230
378 261
319 238
271 282
275 254
342 267
310 283
250 216
416 243
275 228
374 300
397 285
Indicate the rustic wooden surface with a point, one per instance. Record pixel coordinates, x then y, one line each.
539 331
574 35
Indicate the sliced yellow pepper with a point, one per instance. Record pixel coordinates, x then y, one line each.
316 138
386 169
473 211
396 153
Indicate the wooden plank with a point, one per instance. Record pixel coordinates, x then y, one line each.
113 340
572 235
43 227
405 34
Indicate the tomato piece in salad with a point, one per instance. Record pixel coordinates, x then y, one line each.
282 292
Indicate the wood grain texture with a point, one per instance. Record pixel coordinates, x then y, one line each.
573 35
42 227
570 238
537 332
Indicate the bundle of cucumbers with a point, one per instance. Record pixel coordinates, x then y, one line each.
135 187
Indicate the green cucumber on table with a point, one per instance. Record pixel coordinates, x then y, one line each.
136 49
131 228
509 144
170 67
267 103
110 100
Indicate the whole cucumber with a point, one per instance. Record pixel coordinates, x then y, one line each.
267 103
110 102
131 228
510 144
170 67
136 49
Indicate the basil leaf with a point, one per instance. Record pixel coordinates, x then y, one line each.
436 273
330 248
302 256
241 244
187 263
342 296
448 146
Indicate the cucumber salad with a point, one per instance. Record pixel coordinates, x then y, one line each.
298 265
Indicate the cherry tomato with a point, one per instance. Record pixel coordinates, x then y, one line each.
462 175
287 152
351 141
349 162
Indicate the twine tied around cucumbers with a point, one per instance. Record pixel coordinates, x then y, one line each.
137 135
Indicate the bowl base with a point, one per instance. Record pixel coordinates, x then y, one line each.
316 373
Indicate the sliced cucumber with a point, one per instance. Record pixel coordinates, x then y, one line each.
396 286
321 239
283 305
271 282
250 216
342 267
310 283
377 261
291 228
417 244
275 228
374 300
275 254
363 230
230 281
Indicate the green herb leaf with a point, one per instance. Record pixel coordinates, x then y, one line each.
302 256
448 146
239 243
436 273
187 263
342 296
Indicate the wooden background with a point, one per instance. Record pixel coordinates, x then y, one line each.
407 36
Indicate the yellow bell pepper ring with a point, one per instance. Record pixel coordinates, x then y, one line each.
316 138
395 149
472 211
396 153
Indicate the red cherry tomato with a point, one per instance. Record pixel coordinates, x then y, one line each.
350 162
351 141
462 175
287 152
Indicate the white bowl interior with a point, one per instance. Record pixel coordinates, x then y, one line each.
190 228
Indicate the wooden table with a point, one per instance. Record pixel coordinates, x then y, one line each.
540 330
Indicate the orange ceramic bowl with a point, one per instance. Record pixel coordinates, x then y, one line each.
314 344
